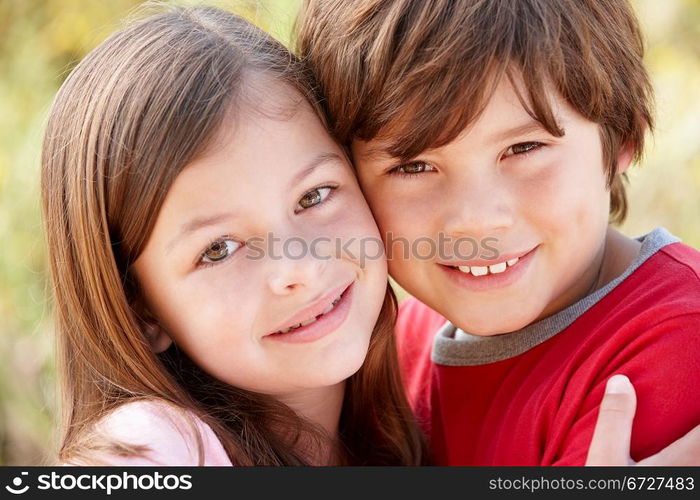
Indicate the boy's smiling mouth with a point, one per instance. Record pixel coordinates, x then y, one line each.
485 274
498 268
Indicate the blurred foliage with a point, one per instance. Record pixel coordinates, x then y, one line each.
41 40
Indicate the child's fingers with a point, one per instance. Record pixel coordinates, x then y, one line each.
685 451
611 438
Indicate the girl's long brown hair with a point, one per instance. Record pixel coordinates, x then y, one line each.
127 120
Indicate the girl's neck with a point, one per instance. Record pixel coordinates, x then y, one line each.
321 407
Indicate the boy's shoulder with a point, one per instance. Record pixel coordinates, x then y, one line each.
685 257
648 328
657 302
416 327
668 282
416 323
663 282
167 434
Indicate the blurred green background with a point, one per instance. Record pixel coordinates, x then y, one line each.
41 40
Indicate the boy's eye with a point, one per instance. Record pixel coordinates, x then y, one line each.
219 251
413 168
523 147
313 198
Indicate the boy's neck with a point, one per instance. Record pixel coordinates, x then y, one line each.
616 254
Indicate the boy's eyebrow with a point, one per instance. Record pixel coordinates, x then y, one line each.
377 152
522 129
381 151
316 162
195 225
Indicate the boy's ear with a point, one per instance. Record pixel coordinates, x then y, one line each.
624 157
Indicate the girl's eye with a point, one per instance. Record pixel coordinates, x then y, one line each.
219 251
413 168
521 148
314 197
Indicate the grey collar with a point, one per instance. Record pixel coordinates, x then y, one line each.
455 347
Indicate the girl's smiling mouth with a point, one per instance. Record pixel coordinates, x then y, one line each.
321 318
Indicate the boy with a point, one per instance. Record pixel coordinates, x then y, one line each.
508 125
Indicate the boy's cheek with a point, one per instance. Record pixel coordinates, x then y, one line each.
576 188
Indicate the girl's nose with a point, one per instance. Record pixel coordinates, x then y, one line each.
295 268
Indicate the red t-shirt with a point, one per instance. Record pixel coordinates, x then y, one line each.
540 407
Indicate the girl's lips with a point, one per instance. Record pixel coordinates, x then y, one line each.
491 281
324 325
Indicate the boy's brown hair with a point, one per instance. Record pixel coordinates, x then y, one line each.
418 72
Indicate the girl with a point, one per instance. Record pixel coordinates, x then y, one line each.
172 145
177 155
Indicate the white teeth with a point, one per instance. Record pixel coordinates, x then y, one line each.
312 320
492 269
497 268
479 270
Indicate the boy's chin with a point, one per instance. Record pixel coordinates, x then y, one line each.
495 325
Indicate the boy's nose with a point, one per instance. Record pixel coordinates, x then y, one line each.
477 208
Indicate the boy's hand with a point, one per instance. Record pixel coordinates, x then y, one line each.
611 438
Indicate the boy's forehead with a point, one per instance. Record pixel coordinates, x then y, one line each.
506 112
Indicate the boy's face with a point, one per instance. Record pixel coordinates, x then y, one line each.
505 194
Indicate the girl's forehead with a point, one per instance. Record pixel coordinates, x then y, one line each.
259 100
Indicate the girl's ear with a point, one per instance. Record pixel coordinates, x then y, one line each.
158 339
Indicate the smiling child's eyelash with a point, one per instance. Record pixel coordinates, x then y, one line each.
395 172
331 194
200 262
537 146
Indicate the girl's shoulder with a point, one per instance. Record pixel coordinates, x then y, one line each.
164 433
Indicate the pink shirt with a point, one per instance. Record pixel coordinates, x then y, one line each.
165 431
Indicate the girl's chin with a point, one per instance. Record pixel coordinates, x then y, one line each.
337 369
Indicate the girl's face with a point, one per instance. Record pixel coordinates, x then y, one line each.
265 231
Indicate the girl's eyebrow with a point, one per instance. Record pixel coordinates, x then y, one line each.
317 161
195 225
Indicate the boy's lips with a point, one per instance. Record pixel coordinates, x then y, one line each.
483 275
322 316
501 257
